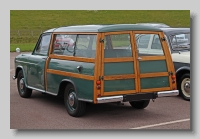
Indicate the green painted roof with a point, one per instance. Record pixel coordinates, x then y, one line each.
104 28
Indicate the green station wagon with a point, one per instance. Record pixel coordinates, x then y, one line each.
97 64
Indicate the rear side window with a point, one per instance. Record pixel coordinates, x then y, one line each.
75 45
117 45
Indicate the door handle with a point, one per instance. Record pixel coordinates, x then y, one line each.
139 58
79 68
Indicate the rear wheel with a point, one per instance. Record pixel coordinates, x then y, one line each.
139 104
184 86
73 106
22 89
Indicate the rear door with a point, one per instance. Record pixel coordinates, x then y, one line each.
155 67
118 64
127 69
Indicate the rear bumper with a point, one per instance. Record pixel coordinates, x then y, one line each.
136 97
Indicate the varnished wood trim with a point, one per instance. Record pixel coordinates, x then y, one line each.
169 61
117 77
81 59
119 92
76 33
116 33
102 63
156 89
157 74
148 58
97 67
145 32
127 59
136 63
75 75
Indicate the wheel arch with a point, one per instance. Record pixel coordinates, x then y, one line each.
181 71
19 67
62 86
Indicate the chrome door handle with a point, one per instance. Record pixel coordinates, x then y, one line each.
139 58
79 68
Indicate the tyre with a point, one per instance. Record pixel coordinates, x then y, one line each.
22 89
139 104
184 86
73 106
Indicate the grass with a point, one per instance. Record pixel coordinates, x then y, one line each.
26 25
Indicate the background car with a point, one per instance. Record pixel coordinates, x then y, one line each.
178 40
159 25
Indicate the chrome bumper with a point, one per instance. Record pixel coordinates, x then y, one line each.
168 93
136 97
109 99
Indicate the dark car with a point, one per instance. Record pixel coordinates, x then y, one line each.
158 25
178 40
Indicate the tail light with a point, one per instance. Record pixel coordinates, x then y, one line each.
173 78
98 83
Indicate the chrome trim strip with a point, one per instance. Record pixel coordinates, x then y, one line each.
87 100
36 89
50 93
25 62
168 93
109 99
43 91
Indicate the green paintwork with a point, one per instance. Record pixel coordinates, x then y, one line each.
153 66
53 82
33 67
71 66
104 28
154 82
84 87
113 53
118 68
119 85
35 73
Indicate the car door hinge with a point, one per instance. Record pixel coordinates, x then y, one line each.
100 77
170 73
101 40
163 39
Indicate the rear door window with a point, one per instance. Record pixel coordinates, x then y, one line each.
117 45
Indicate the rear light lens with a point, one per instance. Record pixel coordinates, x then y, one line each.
173 78
98 82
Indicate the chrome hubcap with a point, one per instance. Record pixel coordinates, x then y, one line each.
187 87
21 84
71 99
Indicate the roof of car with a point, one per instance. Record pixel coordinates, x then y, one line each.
103 28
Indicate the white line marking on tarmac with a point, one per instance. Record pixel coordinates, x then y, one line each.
160 124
